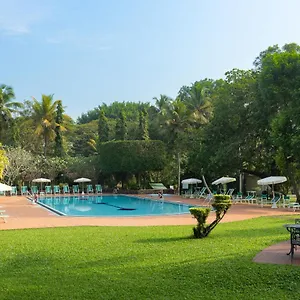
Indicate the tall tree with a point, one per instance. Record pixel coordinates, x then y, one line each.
59 149
198 100
279 88
103 128
121 127
3 161
7 107
143 125
44 114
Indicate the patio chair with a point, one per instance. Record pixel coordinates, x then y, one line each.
200 194
230 192
34 189
76 189
24 190
275 200
89 189
238 197
263 199
13 191
98 188
56 189
66 189
48 189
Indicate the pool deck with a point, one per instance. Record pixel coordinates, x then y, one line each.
23 214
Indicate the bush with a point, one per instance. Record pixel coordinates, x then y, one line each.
221 205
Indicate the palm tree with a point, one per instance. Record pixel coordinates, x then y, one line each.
197 99
44 114
7 106
175 120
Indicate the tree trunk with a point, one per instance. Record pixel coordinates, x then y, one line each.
293 182
204 181
45 146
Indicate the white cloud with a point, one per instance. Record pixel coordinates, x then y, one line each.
18 16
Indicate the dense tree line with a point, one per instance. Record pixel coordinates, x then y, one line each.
248 122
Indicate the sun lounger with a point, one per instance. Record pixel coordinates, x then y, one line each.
75 189
48 189
24 190
56 189
13 191
98 188
66 189
89 189
34 189
294 206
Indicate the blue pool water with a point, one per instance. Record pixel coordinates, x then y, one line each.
116 205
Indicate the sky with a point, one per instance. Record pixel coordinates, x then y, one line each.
92 52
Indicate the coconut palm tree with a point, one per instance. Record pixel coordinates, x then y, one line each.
198 101
44 114
7 106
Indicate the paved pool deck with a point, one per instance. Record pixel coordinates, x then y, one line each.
23 214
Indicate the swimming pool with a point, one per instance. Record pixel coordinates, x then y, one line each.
111 206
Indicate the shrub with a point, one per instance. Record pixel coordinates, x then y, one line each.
221 205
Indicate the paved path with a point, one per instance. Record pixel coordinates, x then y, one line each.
24 214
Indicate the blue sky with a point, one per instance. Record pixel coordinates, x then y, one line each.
91 52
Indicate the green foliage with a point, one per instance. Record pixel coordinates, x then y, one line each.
121 127
44 114
131 110
81 137
144 262
279 87
221 205
143 126
200 214
8 107
103 128
132 156
3 161
59 149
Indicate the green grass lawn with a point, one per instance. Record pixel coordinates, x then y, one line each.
145 263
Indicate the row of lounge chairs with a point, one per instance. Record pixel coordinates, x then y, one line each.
275 201
201 194
56 189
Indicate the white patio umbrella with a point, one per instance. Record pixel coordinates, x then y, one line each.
224 180
82 180
271 180
5 187
185 182
41 180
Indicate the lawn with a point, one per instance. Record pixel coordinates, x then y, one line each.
145 263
